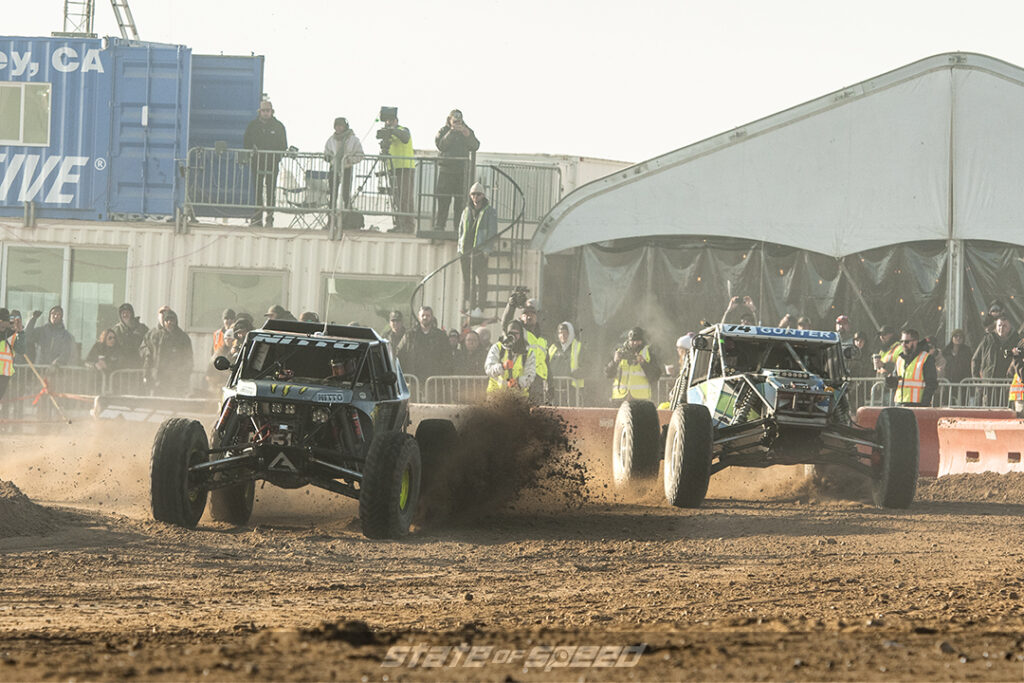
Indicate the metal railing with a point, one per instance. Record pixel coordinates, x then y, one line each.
225 182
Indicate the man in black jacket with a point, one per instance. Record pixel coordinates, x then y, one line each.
456 142
266 135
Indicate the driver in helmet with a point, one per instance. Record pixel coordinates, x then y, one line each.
343 369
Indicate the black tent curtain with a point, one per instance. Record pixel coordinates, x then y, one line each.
670 286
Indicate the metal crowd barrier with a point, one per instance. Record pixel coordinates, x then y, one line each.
455 389
561 392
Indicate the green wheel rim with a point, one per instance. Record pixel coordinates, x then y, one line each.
403 496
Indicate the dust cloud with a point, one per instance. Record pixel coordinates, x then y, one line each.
506 448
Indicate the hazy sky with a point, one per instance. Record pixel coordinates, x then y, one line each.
619 80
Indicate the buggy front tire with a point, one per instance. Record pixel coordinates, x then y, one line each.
895 482
179 444
390 488
688 453
635 443
233 504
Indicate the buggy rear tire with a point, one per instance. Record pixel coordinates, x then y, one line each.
688 453
390 488
437 439
179 444
635 442
233 504
896 480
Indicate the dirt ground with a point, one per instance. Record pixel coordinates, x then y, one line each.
767 581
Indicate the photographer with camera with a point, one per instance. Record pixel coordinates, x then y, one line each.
510 362
633 369
536 342
396 142
456 142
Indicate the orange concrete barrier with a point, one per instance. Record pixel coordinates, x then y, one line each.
969 446
927 428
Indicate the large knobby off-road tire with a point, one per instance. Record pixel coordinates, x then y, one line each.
688 455
231 504
390 488
896 480
635 442
437 440
179 444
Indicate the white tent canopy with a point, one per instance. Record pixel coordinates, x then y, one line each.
931 151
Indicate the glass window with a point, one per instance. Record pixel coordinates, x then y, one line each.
34 279
97 289
25 114
211 291
366 299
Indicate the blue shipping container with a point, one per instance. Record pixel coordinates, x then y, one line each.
226 93
92 128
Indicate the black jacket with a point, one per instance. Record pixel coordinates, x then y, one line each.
453 144
260 134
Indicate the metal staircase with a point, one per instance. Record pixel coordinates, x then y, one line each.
505 262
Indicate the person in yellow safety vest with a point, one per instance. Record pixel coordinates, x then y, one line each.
564 361
510 364
534 339
634 369
914 378
396 141
11 342
889 348
1016 370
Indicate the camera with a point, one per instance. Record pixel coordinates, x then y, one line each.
519 295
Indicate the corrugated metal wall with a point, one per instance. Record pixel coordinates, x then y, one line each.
160 261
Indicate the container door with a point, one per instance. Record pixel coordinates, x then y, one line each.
149 128
225 94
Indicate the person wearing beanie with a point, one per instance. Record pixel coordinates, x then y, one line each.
477 228
342 151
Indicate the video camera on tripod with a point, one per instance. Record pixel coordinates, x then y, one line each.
384 134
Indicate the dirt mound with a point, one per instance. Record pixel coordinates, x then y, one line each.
505 448
982 487
19 516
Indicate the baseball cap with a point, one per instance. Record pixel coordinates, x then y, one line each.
531 304
843 319
276 309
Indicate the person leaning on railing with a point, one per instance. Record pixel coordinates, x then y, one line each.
266 136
